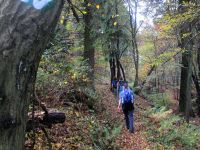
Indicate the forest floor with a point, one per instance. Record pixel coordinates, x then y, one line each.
83 125
86 128
126 140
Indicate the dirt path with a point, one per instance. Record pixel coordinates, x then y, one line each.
126 140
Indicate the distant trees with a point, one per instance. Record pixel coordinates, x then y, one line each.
180 24
133 12
115 35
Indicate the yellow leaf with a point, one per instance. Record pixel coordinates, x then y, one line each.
55 72
97 6
61 21
58 145
89 4
115 23
77 114
84 12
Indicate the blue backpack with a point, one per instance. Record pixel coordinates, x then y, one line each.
114 83
128 96
121 85
127 105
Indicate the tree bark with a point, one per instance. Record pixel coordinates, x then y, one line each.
24 33
148 74
186 69
183 85
196 83
136 62
89 51
112 69
118 68
197 71
122 69
198 54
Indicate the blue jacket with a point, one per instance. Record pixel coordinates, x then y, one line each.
122 95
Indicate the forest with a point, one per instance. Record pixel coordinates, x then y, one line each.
99 75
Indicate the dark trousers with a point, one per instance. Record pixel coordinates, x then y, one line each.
129 120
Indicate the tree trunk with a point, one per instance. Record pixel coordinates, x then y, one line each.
118 68
122 69
112 69
136 62
198 64
186 79
148 74
198 55
89 51
186 69
196 83
133 25
24 32
185 105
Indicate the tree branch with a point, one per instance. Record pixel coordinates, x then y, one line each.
74 6
73 10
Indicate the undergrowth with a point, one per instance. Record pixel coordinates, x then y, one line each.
169 131
158 99
166 130
104 137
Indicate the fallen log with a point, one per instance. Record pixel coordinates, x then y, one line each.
45 120
54 118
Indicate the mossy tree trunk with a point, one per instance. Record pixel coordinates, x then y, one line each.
89 50
196 64
112 68
186 69
24 32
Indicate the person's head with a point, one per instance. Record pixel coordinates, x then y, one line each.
115 78
125 84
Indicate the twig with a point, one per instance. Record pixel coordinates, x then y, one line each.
48 139
33 123
38 102
76 7
73 10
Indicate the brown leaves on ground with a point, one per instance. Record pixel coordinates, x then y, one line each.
71 135
126 140
74 134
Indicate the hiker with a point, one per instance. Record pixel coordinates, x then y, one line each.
114 85
127 102
120 87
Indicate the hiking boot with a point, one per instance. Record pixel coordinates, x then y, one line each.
132 131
